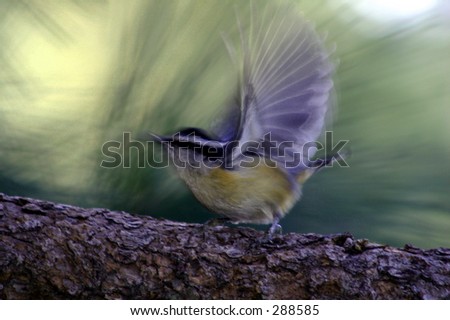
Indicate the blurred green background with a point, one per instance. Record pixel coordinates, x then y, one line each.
75 74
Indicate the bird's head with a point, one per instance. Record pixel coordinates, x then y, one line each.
192 148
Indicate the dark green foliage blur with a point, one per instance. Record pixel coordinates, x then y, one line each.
76 74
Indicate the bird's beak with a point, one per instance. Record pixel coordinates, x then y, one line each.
157 138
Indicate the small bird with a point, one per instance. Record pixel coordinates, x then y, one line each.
251 170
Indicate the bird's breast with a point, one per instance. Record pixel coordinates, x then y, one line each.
251 194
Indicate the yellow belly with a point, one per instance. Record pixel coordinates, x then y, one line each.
251 195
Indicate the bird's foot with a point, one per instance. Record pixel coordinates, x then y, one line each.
214 222
275 229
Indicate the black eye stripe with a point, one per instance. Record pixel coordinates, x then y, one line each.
201 148
195 132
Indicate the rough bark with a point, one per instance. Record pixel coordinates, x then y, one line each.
57 251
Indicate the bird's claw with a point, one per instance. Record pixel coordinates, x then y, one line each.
275 229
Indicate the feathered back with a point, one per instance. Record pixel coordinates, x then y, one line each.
286 80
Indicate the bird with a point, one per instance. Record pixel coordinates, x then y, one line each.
252 167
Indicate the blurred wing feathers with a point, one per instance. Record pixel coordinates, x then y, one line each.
286 81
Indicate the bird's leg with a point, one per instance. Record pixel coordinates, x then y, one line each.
275 228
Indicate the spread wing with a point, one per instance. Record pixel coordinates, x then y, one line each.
285 85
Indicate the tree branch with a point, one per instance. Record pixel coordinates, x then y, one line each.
57 251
